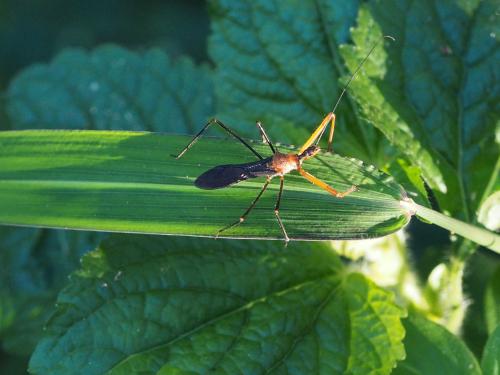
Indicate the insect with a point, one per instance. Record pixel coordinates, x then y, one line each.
276 165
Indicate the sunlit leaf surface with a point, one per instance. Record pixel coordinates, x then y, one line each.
434 92
431 349
279 62
183 306
107 87
125 181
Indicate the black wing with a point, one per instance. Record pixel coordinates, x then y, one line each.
226 175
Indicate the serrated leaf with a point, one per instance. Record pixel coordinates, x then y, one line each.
431 349
126 181
141 304
409 176
112 88
492 301
109 87
434 92
490 362
278 62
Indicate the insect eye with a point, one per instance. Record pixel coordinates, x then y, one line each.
312 150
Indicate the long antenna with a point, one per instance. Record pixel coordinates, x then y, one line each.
358 68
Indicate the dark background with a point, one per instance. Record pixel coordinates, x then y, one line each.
35 31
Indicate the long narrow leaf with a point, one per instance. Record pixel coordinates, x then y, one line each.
130 182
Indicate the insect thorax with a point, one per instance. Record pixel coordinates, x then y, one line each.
284 163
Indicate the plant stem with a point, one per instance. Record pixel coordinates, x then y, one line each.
479 235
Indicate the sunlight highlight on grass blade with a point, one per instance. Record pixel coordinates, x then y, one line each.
129 182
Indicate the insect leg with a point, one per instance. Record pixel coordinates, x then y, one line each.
215 121
318 133
243 217
316 181
277 210
265 137
330 136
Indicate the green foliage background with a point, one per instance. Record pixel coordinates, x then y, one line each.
301 311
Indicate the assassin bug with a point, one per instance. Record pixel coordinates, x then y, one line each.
278 164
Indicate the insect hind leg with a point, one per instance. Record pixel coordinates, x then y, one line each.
316 181
245 214
224 127
277 210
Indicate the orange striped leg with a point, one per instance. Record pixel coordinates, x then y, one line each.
330 136
318 133
316 181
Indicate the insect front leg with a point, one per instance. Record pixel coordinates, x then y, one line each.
318 133
330 136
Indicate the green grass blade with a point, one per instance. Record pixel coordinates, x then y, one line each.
474 233
129 182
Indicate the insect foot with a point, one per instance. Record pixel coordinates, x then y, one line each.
352 189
